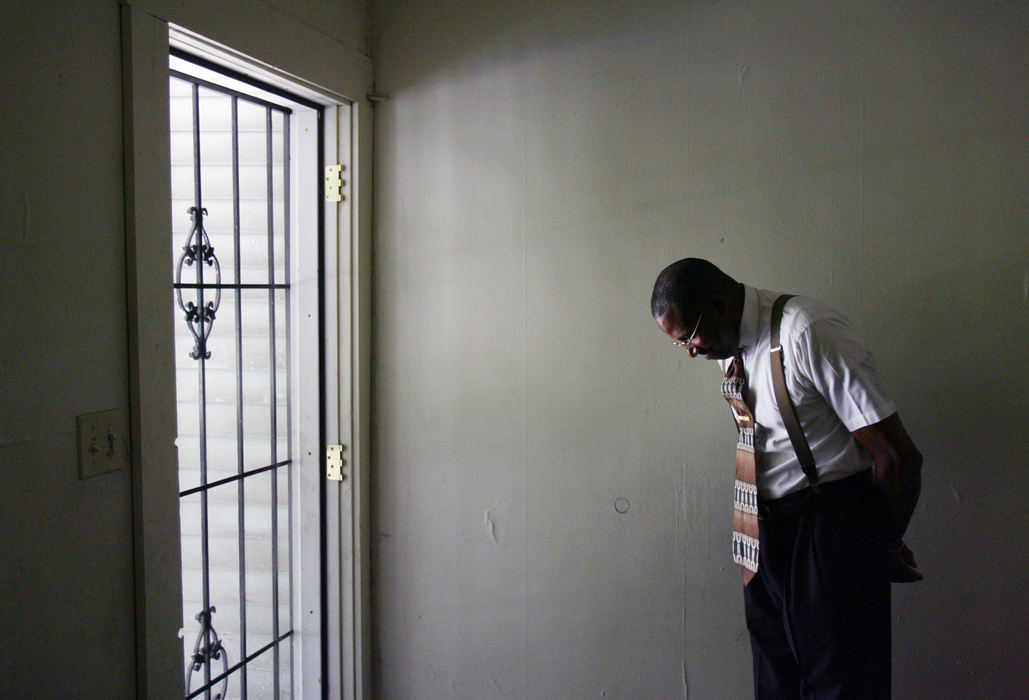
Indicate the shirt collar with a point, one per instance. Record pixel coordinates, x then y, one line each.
749 318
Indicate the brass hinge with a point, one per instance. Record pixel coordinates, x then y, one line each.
334 183
334 463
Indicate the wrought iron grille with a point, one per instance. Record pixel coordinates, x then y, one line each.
231 192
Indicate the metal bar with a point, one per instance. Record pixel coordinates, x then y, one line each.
285 199
270 174
202 378
228 285
289 515
241 483
225 674
287 193
230 479
243 78
195 109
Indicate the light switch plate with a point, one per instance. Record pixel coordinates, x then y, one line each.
103 442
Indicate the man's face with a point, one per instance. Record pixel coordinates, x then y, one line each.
702 331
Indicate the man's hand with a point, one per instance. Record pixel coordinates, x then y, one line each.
903 568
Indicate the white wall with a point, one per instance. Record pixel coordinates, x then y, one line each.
66 553
536 167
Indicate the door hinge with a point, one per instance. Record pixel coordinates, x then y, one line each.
334 463
334 183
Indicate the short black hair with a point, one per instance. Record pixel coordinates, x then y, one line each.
685 283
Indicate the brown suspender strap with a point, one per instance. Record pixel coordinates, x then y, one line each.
785 403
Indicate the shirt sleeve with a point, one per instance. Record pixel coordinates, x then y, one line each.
840 367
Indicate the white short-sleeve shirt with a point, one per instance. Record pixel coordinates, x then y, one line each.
832 379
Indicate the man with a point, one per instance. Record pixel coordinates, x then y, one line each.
829 542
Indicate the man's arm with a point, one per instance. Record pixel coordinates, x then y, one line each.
898 470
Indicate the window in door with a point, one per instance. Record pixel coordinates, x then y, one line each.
239 242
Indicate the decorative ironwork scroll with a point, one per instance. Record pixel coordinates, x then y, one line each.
208 647
199 316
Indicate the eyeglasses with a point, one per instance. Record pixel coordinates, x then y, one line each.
689 340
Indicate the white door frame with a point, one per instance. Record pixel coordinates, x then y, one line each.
281 47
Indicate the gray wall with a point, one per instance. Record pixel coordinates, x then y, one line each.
535 169
66 545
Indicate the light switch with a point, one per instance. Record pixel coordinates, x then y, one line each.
103 442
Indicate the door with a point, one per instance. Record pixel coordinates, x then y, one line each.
293 613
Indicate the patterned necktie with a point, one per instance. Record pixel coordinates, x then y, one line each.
744 517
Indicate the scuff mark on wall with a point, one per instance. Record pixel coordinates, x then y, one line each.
741 77
957 495
491 526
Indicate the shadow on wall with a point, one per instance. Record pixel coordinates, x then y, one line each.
957 382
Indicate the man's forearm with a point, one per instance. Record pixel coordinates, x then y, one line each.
898 469
902 484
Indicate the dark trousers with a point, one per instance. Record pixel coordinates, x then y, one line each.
818 610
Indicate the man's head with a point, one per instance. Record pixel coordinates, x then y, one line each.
699 306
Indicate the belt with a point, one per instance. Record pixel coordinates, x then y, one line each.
798 503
